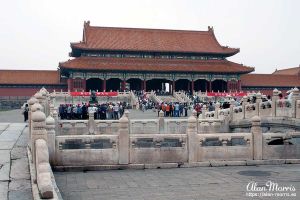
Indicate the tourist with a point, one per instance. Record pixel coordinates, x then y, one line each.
185 109
116 111
176 110
25 113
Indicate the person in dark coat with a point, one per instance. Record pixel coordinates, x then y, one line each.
25 113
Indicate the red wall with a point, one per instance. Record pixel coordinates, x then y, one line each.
23 91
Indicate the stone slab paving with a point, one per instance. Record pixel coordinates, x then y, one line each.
14 173
11 116
177 183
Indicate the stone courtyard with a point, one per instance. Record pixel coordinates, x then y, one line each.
174 184
228 182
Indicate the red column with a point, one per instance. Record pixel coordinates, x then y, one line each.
83 84
192 86
70 84
228 86
173 86
104 85
239 86
123 85
144 87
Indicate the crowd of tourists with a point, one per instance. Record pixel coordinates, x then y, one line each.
173 109
101 111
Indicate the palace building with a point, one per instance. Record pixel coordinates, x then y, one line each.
146 59
118 59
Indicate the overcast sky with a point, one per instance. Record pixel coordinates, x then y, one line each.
36 34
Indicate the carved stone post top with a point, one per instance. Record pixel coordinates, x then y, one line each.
192 118
218 105
126 113
38 95
255 120
44 93
232 102
194 113
50 120
124 122
161 113
258 95
38 116
276 92
36 106
295 91
32 101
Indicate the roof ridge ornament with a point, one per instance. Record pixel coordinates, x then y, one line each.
211 28
86 23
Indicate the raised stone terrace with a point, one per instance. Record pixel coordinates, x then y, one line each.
220 151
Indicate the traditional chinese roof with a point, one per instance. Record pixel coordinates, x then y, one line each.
270 80
154 65
151 40
43 77
288 71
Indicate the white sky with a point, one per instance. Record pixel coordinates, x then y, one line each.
36 34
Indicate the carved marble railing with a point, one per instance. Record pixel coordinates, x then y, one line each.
224 146
127 142
84 150
82 127
178 97
283 108
158 148
184 97
281 145
154 98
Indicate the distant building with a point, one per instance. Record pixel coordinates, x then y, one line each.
283 80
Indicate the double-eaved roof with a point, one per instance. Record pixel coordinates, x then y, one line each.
151 40
108 39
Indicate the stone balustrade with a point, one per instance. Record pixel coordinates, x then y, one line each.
127 142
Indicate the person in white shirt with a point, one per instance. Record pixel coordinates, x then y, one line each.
116 111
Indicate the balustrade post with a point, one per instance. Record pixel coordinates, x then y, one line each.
124 140
275 98
257 138
203 112
192 137
161 121
91 123
295 98
258 102
232 103
39 131
50 128
31 102
217 109
298 109
244 106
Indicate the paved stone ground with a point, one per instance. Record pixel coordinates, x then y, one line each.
14 173
178 183
12 116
